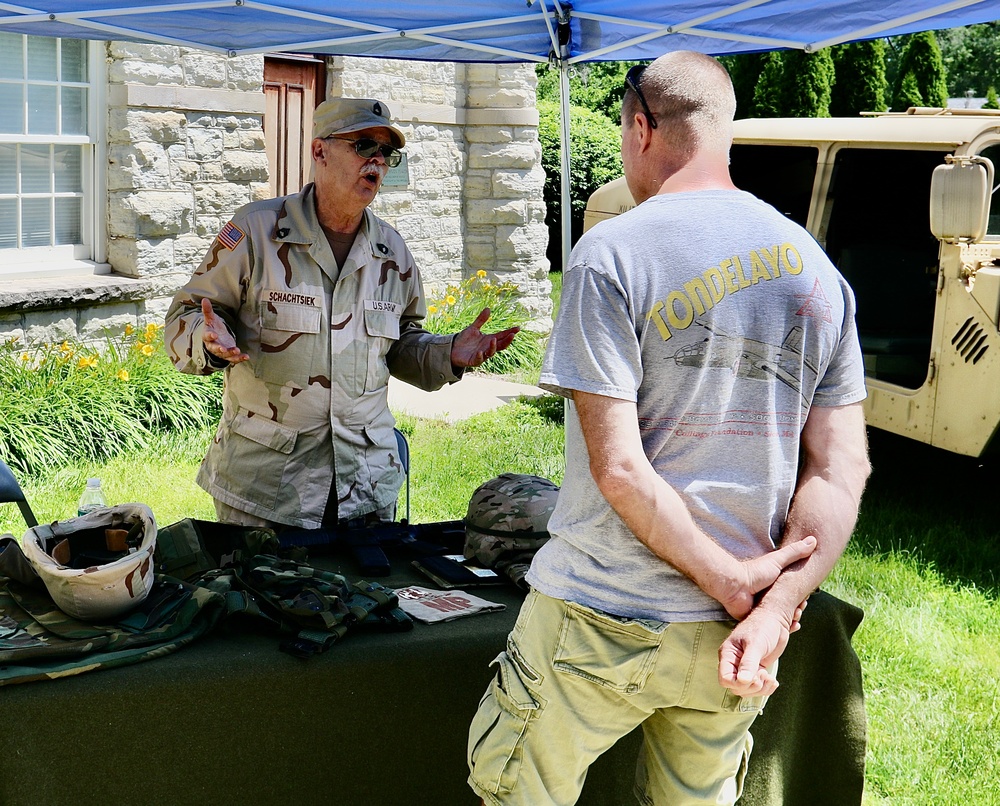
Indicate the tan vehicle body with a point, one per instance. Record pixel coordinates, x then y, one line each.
901 203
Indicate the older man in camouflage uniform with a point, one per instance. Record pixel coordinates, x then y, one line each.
309 302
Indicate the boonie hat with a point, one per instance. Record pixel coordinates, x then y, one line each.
345 115
98 566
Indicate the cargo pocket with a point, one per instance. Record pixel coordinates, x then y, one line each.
249 471
496 736
618 654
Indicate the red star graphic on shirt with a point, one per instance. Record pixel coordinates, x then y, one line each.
815 304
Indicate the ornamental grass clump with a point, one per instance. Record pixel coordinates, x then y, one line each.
70 402
461 303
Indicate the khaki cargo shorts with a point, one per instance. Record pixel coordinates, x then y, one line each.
574 680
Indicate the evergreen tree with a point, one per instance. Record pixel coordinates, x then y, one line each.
908 94
860 78
991 99
794 84
768 96
921 74
807 82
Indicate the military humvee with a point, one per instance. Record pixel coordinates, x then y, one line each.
901 203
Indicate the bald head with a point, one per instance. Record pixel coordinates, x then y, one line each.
691 98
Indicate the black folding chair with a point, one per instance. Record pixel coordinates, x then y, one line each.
11 492
404 459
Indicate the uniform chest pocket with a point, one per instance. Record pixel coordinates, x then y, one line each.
290 318
382 323
289 343
382 328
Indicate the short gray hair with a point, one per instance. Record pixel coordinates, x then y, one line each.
691 96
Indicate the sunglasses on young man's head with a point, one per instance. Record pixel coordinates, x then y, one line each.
632 78
368 148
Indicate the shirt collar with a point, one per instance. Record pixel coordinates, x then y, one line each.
298 223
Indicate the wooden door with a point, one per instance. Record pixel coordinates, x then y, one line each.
293 86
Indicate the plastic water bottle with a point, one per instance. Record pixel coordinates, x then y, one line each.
92 498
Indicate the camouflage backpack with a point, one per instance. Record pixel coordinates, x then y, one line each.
507 522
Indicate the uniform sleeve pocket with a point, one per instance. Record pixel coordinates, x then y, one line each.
264 432
496 736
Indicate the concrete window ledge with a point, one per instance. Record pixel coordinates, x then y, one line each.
48 293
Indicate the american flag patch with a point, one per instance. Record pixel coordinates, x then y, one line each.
231 235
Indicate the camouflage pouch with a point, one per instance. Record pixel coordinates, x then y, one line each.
190 547
314 607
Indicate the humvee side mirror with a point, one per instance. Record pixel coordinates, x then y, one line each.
960 198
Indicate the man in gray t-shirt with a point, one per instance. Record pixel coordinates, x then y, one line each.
715 454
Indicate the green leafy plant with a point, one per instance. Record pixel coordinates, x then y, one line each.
73 401
459 305
595 146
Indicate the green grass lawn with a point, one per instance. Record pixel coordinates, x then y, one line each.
923 565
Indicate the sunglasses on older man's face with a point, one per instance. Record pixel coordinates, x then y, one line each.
368 148
632 78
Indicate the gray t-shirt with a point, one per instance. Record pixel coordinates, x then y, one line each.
725 322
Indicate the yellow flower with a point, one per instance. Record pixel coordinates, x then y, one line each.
151 328
147 349
25 357
123 375
87 361
450 300
432 309
481 274
129 330
65 348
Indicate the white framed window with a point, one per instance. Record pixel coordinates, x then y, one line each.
52 125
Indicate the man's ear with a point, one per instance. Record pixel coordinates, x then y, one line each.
644 135
318 148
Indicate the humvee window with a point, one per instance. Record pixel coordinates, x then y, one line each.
782 176
876 230
992 153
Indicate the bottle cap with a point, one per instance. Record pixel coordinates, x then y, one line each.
93 482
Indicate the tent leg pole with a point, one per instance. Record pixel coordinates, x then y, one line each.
565 209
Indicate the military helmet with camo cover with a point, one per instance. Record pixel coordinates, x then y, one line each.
508 517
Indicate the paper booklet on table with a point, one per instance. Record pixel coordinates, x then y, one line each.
432 606
454 571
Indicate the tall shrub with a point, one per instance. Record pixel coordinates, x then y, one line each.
922 80
861 82
807 83
794 84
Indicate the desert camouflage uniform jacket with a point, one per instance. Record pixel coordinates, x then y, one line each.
322 343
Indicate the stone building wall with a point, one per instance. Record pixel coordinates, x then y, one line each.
185 149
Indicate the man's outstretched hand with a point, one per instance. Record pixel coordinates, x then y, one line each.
471 347
217 338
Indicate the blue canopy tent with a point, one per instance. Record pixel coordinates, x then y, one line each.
556 31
